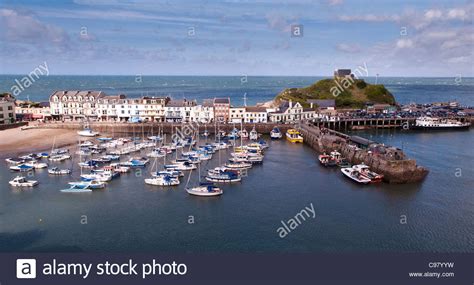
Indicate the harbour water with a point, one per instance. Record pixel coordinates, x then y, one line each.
131 216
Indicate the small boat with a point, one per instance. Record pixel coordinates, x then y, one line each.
205 189
355 175
181 166
21 168
163 180
36 165
94 184
77 189
364 170
21 181
101 177
156 153
205 133
58 151
136 162
238 165
107 170
172 173
43 155
88 164
104 139
224 177
59 157
294 136
100 160
87 133
253 134
14 160
120 168
327 160
343 163
58 171
275 134
234 134
86 144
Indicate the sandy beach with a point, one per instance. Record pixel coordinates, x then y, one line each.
15 141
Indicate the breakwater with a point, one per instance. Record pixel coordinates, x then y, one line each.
386 160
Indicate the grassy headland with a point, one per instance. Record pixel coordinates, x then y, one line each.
349 93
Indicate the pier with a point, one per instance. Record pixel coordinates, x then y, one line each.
386 160
349 123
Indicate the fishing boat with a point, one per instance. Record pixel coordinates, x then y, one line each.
205 189
294 136
253 134
275 134
364 170
87 133
21 168
21 181
58 171
355 175
94 184
163 180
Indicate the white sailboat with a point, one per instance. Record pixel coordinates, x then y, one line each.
21 181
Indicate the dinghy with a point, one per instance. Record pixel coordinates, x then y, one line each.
275 134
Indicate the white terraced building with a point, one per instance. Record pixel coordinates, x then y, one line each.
180 110
7 109
288 112
255 114
74 105
203 113
151 109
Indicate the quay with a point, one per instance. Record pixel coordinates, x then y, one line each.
349 123
389 161
124 128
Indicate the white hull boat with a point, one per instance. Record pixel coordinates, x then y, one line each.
355 175
21 181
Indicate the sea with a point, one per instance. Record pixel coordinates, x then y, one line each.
436 215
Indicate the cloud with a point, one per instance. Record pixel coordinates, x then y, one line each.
404 43
278 22
348 48
335 2
24 28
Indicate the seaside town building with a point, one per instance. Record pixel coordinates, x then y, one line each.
109 107
203 113
29 111
151 109
221 109
288 112
74 104
255 115
7 109
236 114
180 110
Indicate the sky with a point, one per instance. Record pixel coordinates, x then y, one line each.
237 37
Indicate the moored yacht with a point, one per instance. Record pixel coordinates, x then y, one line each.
205 189
21 181
355 175
275 134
